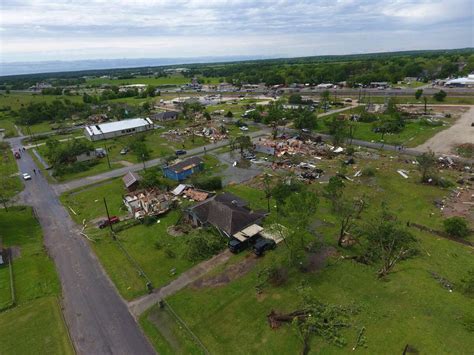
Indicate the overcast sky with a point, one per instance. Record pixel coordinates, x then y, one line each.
93 29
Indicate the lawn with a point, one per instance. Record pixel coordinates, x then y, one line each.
148 80
9 171
35 321
37 326
8 126
17 100
410 305
415 132
458 100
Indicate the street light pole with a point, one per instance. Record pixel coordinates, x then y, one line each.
105 145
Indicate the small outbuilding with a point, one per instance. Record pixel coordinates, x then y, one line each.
165 116
130 180
180 171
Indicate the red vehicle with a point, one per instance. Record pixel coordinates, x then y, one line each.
17 155
107 222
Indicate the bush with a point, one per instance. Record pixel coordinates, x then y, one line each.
439 181
456 227
170 253
467 284
201 246
369 171
210 183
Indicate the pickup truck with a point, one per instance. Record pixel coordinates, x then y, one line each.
106 222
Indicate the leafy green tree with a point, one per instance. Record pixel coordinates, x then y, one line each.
426 165
244 142
456 227
347 212
305 119
229 114
297 213
333 191
418 93
338 130
150 91
440 95
386 242
295 99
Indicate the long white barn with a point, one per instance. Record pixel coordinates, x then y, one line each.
117 129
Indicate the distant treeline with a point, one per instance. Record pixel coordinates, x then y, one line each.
360 68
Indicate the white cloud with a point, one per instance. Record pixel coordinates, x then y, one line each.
173 28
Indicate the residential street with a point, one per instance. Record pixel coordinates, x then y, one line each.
98 319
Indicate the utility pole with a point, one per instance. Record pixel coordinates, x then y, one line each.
108 218
105 145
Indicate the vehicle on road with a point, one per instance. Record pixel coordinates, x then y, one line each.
26 176
180 152
17 155
107 222
262 245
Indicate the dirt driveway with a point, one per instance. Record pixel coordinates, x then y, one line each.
445 141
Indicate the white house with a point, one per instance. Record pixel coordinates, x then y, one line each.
118 128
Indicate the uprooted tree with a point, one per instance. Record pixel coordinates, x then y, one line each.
314 317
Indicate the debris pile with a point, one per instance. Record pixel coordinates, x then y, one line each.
151 202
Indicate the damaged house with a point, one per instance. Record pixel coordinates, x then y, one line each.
147 203
228 214
180 171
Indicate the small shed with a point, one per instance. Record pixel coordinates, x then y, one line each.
130 180
182 170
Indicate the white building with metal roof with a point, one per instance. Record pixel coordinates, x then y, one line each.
466 81
116 129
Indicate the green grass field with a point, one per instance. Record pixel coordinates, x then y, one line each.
409 307
458 100
148 80
9 170
17 100
414 133
36 321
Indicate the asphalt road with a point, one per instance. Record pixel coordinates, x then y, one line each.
98 319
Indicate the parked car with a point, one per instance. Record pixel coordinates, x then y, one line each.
180 152
17 155
262 245
106 222
236 246
124 151
26 176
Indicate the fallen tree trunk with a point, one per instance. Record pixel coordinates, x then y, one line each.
275 319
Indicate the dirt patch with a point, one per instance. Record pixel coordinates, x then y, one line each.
230 273
460 203
15 252
459 133
317 260
175 231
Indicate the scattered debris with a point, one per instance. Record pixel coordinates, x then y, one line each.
403 173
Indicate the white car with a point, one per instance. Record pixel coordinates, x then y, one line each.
26 176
